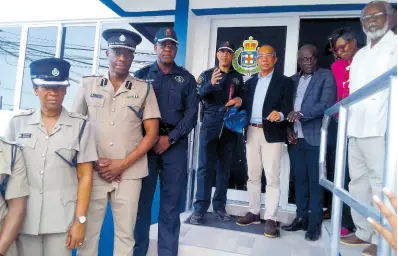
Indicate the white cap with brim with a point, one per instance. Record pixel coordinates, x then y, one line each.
45 83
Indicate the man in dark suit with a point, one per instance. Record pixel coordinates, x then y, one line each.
315 91
268 99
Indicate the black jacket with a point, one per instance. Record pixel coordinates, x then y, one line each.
279 97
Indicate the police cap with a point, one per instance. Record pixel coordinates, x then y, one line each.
165 34
226 45
50 72
121 38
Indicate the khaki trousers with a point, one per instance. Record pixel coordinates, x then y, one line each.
43 245
263 155
366 167
123 197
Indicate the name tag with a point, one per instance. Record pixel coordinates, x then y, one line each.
135 96
95 95
24 135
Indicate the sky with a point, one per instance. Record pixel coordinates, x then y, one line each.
48 10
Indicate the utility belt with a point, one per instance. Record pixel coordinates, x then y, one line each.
165 129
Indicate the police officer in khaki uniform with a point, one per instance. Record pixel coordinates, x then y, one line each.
121 106
14 188
59 151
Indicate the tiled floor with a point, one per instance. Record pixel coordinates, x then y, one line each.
206 241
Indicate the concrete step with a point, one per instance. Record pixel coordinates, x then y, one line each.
209 241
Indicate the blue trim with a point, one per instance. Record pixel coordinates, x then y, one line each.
181 28
119 11
279 9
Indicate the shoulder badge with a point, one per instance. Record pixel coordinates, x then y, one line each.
76 115
200 80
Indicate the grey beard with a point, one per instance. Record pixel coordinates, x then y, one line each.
378 33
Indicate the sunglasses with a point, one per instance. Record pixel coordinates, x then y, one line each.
340 47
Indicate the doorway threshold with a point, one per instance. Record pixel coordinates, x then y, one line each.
210 241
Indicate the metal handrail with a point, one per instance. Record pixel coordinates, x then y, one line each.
340 195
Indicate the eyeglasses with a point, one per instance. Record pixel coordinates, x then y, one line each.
306 60
268 55
340 48
373 15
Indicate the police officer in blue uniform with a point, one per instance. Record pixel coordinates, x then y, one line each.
219 88
175 90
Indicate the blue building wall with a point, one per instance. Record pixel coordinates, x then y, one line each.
181 26
107 232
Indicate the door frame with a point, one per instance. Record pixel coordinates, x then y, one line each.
292 24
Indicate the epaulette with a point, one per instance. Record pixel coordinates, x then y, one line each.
2 139
25 112
139 79
76 115
92 76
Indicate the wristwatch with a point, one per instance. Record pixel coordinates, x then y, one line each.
172 141
81 219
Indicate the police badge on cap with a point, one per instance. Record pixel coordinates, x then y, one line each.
50 72
121 38
165 34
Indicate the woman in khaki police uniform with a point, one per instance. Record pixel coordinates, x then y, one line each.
58 149
14 189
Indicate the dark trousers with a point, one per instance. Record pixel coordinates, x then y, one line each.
304 159
215 158
171 167
346 218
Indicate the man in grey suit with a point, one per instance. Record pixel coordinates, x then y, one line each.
315 91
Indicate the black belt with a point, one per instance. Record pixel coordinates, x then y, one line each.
165 129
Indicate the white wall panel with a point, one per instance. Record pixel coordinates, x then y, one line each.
204 4
146 5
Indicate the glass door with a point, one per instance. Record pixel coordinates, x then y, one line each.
247 35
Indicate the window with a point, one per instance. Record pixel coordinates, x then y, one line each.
41 44
9 52
78 50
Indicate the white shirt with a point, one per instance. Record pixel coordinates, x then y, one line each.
368 118
259 97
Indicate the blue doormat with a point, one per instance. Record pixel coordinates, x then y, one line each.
212 221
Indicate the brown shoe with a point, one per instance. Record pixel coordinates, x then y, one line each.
248 219
353 241
371 250
271 229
